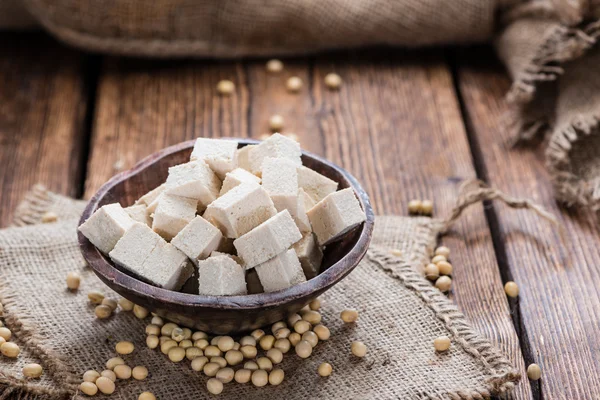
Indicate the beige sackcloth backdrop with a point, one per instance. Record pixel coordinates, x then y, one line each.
401 313
549 48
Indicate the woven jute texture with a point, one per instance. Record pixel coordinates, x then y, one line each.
230 28
551 50
400 315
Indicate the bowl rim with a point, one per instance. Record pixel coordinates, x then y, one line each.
128 284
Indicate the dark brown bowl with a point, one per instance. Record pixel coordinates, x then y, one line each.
221 314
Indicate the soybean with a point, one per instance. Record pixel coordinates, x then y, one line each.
214 386
122 371
276 376
349 315
242 375
225 375
358 349
304 349
260 378
105 385
124 347
88 388
325 369
139 373
10 349
441 343
73 280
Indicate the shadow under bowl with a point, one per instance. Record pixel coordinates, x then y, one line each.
221 314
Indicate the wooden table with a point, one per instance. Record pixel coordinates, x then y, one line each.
407 124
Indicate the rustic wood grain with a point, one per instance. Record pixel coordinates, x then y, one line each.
395 124
557 274
42 111
144 106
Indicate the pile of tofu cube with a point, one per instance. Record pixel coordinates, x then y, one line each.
246 220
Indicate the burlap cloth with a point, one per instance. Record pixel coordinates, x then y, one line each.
401 314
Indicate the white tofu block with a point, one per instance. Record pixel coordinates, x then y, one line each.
106 226
280 180
242 157
276 146
310 255
240 210
280 272
139 213
172 214
194 180
152 195
314 184
267 240
221 155
135 247
335 215
198 239
253 282
221 276
166 267
237 177
232 256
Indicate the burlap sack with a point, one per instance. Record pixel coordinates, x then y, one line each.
551 50
233 28
400 315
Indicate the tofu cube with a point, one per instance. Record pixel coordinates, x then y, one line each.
166 267
139 213
310 255
198 239
135 247
335 215
221 155
172 214
276 146
152 195
221 276
194 180
267 240
236 177
240 210
242 157
280 272
106 226
314 184
280 180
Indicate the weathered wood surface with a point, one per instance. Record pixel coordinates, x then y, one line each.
42 112
395 124
559 304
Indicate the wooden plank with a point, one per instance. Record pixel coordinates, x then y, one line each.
143 106
395 124
559 302
42 112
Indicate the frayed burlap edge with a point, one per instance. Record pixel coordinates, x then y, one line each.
503 376
562 44
29 211
570 188
30 339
